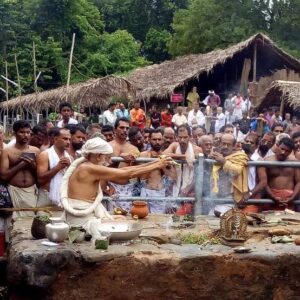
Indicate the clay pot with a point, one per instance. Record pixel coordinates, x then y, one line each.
297 241
140 209
38 227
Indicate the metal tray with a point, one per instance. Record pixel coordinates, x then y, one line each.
122 231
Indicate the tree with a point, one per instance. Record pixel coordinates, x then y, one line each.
210 24
155 46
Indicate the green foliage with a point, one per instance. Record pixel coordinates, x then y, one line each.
155 45
141 18
209 24
50 25
201 238
117 52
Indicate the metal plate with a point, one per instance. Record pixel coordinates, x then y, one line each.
122 231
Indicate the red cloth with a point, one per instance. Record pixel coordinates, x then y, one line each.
185 209
166 119
138 118
282 194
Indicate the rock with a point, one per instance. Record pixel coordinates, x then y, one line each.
297 241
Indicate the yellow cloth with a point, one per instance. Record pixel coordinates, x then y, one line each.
192 98
235 165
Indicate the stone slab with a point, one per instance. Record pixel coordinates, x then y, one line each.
154 268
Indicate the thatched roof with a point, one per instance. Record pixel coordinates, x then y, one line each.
287 91
96 92
160 80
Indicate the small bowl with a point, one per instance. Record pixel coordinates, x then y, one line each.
241 250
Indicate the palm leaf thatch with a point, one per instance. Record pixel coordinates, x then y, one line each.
286 91
160 80
97 92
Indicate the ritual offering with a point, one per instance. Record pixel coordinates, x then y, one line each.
140 209
233 227
57 231
102 244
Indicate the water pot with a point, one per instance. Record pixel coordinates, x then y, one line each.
57 231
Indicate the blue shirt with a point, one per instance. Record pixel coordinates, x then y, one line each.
122 114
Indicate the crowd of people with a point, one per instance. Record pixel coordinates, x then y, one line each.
34 162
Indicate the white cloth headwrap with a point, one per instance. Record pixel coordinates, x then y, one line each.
96 146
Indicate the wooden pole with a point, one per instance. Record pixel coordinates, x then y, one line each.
34 72
254 62
19 82
6 75
70 64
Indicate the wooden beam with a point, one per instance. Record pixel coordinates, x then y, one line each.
254 61
6 75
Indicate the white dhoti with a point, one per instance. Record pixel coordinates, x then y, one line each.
155 206
89 221
23 198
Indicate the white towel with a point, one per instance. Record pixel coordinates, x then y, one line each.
55 183
185 172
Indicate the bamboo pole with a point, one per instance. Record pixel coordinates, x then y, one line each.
34 73
6 75
19 82
70 65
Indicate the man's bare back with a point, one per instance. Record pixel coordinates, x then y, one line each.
11 157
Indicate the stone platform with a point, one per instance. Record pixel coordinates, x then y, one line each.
154 266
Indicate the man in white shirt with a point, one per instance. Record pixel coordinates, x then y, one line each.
221 120
263 150
179 118
195 116
66 110
109 117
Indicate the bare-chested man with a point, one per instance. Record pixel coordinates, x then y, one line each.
155 184
18 169
282 184
78 138
127 151
51 166
81 193
296 140
184 149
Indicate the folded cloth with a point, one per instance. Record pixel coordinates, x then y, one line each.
236 166
23 198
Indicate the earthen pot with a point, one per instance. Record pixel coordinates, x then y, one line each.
140 209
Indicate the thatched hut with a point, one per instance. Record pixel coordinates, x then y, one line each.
226 70
95 92
283 94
